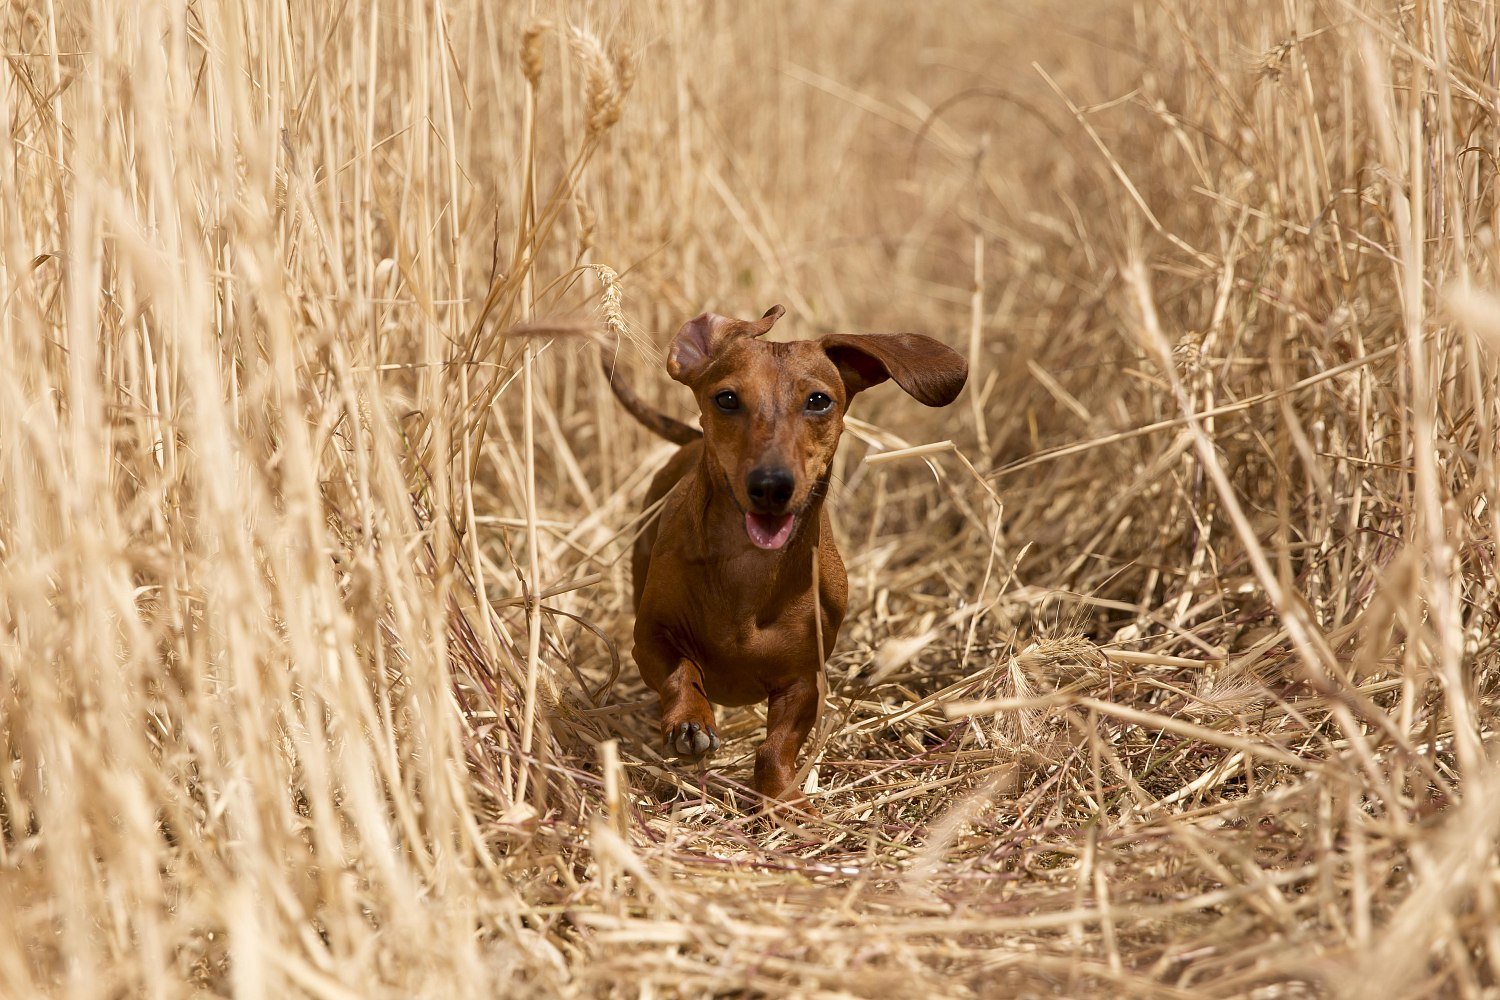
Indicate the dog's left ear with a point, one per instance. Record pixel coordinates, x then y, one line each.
931 372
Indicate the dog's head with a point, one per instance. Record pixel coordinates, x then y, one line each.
773 412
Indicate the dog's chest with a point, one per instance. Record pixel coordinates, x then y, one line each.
745 650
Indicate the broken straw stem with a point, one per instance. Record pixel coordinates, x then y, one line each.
916 451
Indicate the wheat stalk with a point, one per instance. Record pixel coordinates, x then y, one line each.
316 517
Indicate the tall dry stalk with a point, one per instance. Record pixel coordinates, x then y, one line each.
315 512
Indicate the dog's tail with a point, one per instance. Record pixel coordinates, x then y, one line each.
653 420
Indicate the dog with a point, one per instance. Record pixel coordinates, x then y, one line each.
739 587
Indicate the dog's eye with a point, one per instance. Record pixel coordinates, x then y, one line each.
819 402
728 400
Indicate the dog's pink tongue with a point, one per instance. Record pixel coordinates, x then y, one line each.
768 531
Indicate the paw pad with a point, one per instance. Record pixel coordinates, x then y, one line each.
692 740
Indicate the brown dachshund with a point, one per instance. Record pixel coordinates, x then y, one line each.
739 588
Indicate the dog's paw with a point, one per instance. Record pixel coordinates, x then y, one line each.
794 807
692 740
793 815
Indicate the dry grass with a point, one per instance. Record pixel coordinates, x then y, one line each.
1175 675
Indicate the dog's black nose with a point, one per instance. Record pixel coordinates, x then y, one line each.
770 490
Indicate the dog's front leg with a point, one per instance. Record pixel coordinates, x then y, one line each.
792 713
687 719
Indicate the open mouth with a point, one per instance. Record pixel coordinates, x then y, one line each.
769 531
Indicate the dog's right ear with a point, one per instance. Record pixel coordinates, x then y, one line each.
695 344
701 337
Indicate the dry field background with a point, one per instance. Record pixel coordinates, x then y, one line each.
1177 676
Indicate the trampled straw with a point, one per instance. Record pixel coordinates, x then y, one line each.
1170 668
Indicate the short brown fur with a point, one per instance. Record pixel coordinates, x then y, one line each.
720 620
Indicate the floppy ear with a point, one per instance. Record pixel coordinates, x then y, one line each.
931 372
701 338
767 320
